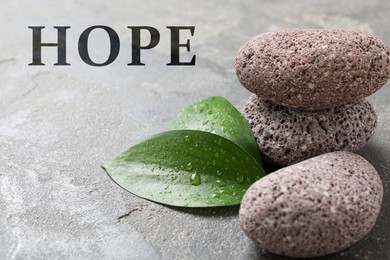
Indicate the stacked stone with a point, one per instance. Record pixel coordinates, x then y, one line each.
309 90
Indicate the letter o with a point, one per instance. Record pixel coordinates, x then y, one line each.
114 45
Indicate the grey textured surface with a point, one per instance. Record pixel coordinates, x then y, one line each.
313 208
58 124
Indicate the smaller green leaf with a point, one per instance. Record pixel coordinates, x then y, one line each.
217 115
186 168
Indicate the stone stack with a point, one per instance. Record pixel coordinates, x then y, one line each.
309 90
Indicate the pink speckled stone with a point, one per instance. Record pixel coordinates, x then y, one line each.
312 68
286 135
316 207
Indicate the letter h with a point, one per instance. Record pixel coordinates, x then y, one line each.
37 45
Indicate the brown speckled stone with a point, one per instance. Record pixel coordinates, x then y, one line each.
313 68
316 207
287 135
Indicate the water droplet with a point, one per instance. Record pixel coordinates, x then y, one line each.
189 166
210 112
223 151
225 192
216 195
219 142
195 179
216 155
214 163
240 179
176 169
205 122
220 183
173 177
219 173
188 139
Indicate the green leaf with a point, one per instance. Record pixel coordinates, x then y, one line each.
188 168
217 115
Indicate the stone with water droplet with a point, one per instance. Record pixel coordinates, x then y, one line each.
195 179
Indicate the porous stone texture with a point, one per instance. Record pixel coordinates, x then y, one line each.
316 207
313 68
287 135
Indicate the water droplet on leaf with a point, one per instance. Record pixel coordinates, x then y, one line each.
216 195
220 183
195 179
189 166
188 139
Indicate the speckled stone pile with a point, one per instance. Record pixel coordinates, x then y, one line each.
309 87
309 101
